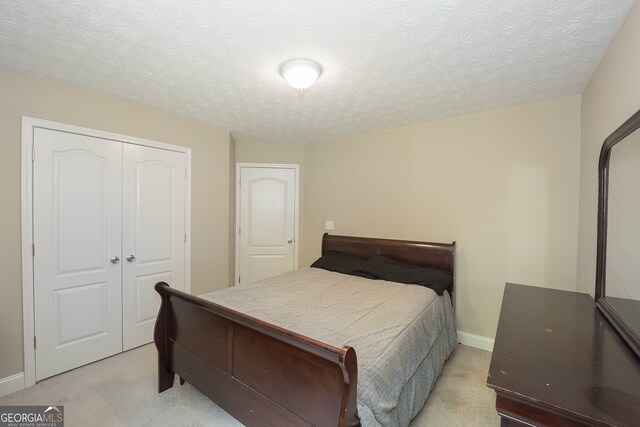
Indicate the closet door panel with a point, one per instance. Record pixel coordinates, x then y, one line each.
77 194
153 235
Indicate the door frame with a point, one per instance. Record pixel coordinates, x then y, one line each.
296 208
29 124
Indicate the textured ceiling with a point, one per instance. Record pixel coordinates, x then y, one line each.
386 63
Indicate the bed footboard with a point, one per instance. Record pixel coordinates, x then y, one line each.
259 373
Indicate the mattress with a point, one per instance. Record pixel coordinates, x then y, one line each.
402 334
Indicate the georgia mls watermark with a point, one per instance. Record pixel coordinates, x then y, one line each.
31 416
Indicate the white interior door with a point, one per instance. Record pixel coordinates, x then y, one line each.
77 196
267 222
153 235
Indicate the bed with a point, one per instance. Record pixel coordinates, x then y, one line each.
305 371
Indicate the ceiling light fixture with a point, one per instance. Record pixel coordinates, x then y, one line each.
301 73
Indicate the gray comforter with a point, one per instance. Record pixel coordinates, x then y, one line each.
402 334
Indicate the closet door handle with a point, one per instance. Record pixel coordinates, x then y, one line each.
114 260
131 258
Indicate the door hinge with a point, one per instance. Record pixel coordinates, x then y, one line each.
35 343
238 279
33 154
239 230
33 249
185 237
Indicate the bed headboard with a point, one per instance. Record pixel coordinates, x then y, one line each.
425 254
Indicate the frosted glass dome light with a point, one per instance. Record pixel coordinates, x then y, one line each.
301 73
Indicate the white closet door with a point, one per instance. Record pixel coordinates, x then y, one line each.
77 195
153 235
267 222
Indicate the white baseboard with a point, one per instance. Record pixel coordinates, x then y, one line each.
477 341
11 384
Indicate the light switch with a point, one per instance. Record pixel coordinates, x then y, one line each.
328 225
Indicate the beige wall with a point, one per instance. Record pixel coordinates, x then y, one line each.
612 96
22 95
270 153
503 184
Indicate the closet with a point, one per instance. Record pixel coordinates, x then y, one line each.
108 223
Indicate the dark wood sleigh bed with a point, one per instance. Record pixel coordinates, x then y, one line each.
263 374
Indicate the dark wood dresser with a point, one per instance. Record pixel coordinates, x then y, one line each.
557 362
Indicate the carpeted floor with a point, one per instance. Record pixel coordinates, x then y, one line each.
121 391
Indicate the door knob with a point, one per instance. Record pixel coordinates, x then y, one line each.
131 258
290 241
115 260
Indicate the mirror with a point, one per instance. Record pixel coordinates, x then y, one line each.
618 262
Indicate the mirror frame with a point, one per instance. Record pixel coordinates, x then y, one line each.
624 329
